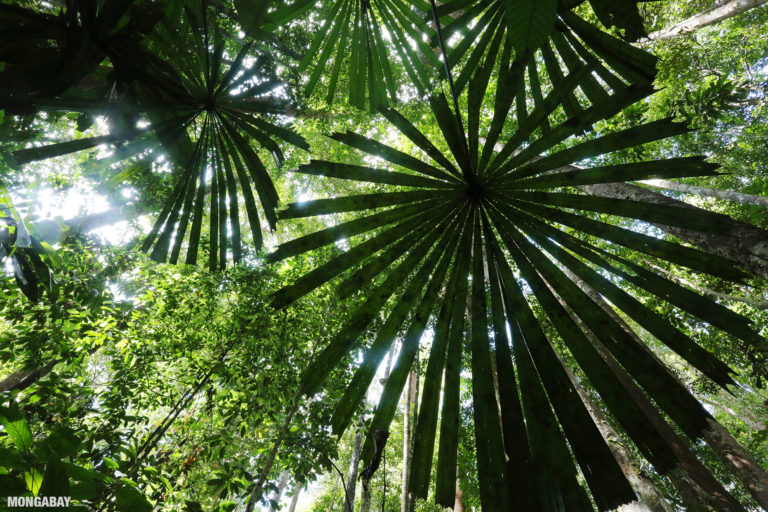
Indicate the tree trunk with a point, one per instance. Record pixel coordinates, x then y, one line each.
256 493
751 420
23 379
349 501
365 497
379 446
274 497
751 300
365 493
410 407
388 368
708 17
458 504
333 495
698 489
650 499
747 244
741 464
725 195
295 498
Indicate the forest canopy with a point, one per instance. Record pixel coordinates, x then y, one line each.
352 255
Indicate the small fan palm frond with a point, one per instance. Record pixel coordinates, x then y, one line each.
365 40
203 110
537 47
485 247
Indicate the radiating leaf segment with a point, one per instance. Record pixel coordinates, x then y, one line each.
496 244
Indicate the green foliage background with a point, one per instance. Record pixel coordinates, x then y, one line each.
167 385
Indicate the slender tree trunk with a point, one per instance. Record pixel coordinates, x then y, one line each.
333 494
181 404
354 463
650 499
388 368
409 396
725 195
752 301
458 504
752 421
256 493
708 17
410 406
277 494
691 478
698 489
495 375
736 458
379 446
295 498
365 493
23 379
746 245
365 497
150 442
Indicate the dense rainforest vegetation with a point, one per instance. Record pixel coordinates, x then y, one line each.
318 255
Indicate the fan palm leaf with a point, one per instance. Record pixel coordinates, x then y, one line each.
204 111
366 41
532 45
479 242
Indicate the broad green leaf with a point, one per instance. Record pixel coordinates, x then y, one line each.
55 480
16 427
530 22
130 499
34 480
62 442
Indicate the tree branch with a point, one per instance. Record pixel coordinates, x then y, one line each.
709 17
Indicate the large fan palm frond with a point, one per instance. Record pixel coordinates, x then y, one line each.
484 243
203 105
